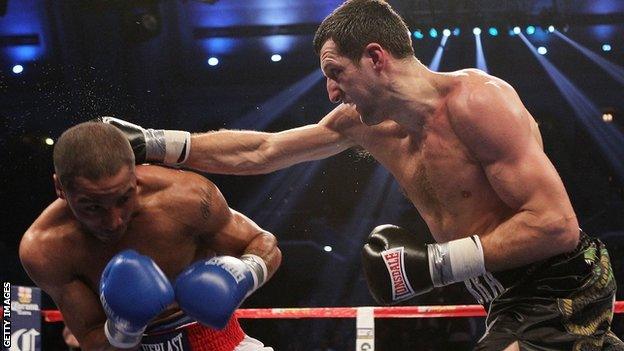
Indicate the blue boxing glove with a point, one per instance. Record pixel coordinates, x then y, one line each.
133 290
211 290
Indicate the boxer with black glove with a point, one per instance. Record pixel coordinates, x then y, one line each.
399 265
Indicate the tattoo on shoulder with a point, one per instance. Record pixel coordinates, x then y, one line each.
205 203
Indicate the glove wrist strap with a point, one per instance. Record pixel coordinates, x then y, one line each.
120 339
167 146
258 269
456 260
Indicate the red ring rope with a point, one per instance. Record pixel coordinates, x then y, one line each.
350 312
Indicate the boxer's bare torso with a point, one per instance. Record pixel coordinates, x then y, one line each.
165 228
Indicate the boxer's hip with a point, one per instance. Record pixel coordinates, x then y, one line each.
585 271
561 303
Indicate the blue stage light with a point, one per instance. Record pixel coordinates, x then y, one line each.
493 31
433 33
606 47
476 31
530 30
418 34
542 50
456 31
276 57
446 32
213 61
17 69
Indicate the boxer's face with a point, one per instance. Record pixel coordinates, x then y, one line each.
104 206
350 83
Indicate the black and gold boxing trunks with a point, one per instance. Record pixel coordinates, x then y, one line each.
563 303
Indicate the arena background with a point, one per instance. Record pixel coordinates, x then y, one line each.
147 61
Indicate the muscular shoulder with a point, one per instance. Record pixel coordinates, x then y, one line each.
54 228
487 115
192 198
477 94
175 183
47 246
153 178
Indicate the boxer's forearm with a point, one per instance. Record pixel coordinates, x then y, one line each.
225 151
250 152
528 237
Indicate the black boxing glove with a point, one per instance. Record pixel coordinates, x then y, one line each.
399 265
153 145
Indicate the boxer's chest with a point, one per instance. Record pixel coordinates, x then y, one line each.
170 243
442 179
450 188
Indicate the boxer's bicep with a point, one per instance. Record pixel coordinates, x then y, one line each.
496 129
527 182
229 232
79 305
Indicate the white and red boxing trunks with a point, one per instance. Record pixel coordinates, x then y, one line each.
187 335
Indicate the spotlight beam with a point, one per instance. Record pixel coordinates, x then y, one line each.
437 57
615 71
270 110
480 55
608 138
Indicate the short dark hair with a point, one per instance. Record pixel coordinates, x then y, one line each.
91 150
356 23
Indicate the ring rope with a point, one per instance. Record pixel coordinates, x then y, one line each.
450 311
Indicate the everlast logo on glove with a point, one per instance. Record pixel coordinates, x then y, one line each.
401 289
236 273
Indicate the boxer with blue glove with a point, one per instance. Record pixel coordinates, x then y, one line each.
135 256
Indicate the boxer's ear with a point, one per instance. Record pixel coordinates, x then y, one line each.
58 187
377 55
